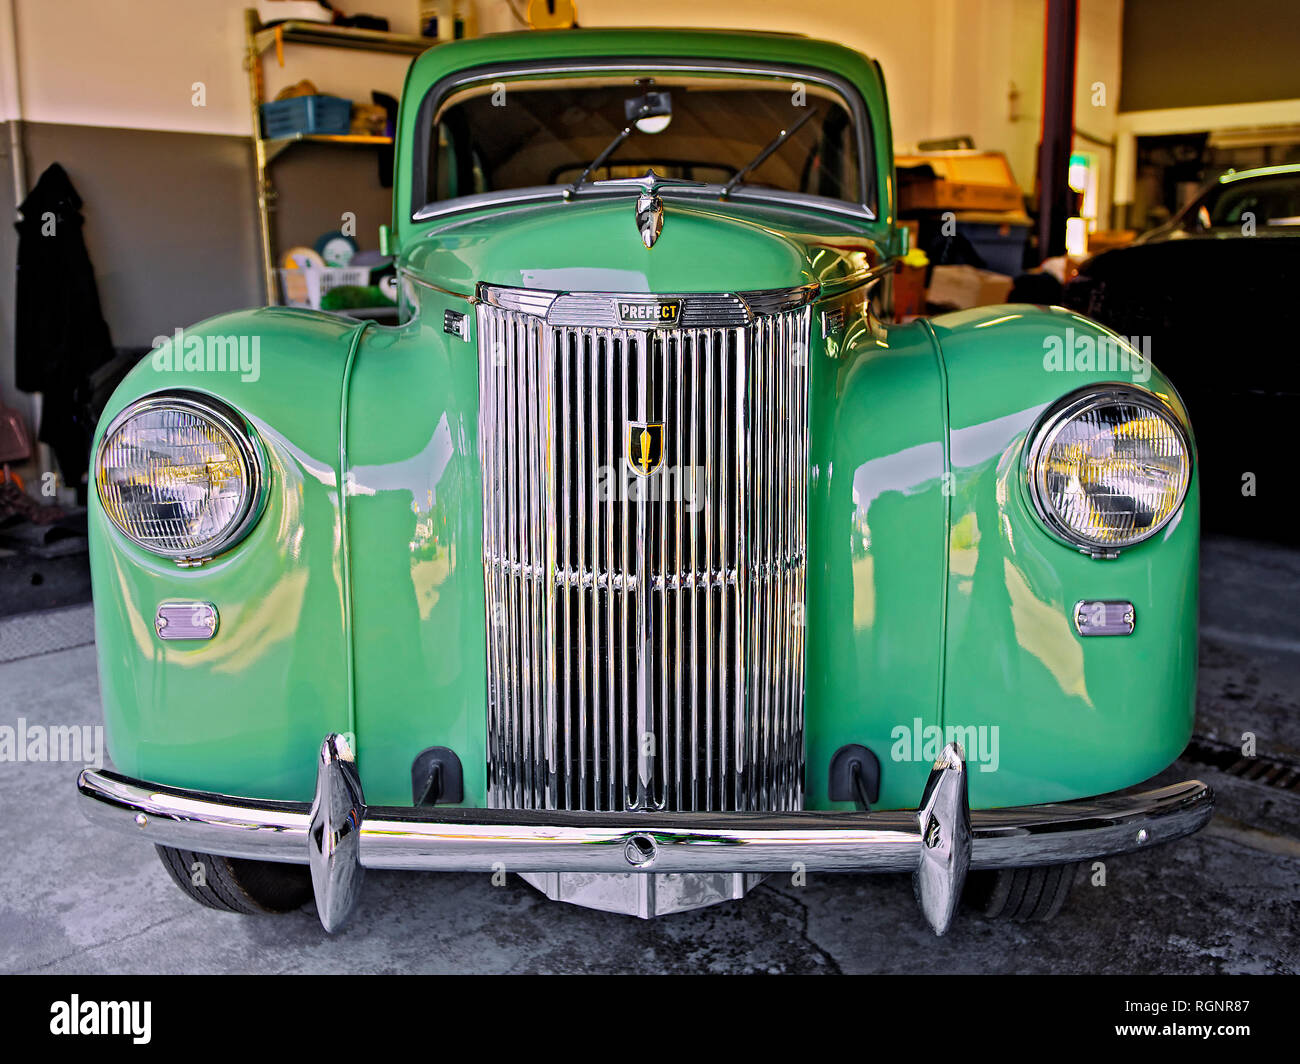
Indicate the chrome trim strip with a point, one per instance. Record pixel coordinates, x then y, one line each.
599 310
841 285
769 301
600 190
407 273
473 840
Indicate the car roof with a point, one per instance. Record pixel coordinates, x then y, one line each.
650 43
1259 171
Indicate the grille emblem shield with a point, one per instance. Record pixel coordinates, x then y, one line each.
645 447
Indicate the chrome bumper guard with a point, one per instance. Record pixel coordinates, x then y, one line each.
339 837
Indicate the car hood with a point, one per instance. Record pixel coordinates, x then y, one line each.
594 245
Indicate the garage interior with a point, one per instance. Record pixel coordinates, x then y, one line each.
1030 137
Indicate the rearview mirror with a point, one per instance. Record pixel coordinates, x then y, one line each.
651 112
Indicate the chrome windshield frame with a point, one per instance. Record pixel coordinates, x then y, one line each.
866 208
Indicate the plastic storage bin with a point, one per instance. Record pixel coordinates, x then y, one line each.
1000 244
306 114
303 288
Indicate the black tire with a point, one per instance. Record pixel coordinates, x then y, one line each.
1024 894
234 885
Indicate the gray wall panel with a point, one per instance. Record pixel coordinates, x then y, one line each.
171 224
1196 53
169 221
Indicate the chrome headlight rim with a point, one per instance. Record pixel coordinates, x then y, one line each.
252 460
1049 426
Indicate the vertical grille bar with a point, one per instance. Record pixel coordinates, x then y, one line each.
487 440
727 367
516 481
627 753
577 526
644 635
684 756
608 654
691 597
642 642
563 539
710 360
528 550
743 465
597 528
662 672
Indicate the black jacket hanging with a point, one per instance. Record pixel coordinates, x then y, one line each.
60 336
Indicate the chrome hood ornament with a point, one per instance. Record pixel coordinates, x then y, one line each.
649 217
649 204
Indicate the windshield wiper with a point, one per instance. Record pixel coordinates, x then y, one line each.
761 157
596 163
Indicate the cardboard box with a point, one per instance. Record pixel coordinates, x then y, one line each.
967 286
957 181
909 292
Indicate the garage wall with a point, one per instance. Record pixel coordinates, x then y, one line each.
107 88
134 63
168 220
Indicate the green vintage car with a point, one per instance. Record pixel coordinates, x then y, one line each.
646 556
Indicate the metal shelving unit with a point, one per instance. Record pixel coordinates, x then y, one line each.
259 39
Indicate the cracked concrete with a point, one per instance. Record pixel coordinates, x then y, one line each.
77 899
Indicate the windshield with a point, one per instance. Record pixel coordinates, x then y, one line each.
523 134
1268 201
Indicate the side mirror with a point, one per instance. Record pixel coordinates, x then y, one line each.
385 240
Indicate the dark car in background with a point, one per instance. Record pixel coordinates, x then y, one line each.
1211 297
1240 203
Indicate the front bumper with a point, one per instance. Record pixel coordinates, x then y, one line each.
339 836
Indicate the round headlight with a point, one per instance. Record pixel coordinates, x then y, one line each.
180 475
1108 469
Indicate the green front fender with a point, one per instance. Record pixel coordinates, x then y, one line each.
414 511
875 551
243 714
1057 715
366 619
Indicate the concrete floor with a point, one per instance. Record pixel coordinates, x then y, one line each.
75 899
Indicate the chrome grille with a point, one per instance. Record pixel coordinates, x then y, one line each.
644 635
